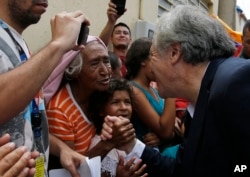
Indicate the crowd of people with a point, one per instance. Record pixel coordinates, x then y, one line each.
175 105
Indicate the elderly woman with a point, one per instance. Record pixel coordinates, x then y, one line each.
67 110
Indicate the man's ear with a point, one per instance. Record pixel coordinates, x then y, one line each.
175 52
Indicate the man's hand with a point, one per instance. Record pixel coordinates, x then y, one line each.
119 130
112 13
15 161
66 27
151 139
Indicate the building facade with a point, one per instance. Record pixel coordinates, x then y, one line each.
141 16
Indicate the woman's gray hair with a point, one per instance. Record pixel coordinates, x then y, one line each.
201 36
74 68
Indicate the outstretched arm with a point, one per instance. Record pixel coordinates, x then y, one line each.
20 85
112 18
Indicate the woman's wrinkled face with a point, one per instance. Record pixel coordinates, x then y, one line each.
96 68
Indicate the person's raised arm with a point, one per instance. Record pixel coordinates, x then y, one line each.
167 120
20 85
108 28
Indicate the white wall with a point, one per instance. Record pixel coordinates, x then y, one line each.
39 34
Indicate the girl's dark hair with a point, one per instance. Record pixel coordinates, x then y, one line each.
137 53
99 99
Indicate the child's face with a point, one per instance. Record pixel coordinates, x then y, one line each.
119 105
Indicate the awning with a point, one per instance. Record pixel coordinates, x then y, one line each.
236 36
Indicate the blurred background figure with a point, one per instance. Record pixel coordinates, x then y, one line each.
153 116
245 51
116 65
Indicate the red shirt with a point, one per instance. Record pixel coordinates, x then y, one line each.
123 68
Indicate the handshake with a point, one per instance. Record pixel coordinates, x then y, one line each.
121 131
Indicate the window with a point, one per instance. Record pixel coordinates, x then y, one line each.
166 5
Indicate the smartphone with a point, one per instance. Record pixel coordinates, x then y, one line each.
83 35
120 6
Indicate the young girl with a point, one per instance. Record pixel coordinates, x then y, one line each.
115 101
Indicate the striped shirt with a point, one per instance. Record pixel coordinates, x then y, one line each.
68 122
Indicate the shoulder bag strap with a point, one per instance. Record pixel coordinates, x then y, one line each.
9 52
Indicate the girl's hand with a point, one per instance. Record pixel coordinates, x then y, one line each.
130 169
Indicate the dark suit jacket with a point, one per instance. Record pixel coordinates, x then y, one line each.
217 139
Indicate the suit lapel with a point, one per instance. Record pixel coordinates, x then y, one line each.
196 126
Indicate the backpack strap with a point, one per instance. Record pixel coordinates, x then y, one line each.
9 52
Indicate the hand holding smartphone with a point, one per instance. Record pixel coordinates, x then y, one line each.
83 35
120 6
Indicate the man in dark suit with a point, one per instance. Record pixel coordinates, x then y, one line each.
191 59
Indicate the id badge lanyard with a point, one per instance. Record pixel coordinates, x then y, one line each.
36 122
36 115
